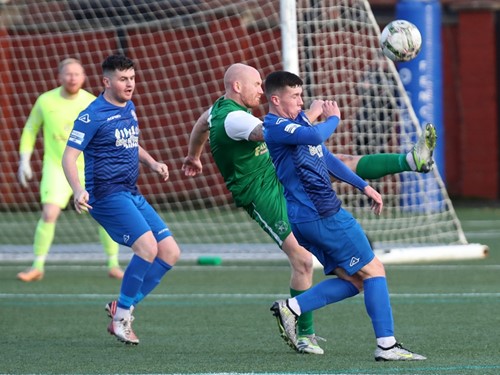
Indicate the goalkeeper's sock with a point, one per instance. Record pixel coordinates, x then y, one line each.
132 281
378 306
326 292
380 165
305 322
152 278
111 248
44 236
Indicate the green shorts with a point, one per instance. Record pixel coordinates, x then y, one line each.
268 209
54 188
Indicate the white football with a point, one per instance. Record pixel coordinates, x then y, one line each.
401 41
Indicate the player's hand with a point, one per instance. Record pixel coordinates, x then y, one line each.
162 170
374 195
24 173
192 166
331 108
80 199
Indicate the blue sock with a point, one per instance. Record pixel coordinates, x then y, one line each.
155 273
378 306
326 292
132 281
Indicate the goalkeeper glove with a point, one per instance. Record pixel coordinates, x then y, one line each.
24 172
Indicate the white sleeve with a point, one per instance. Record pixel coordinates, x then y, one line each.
239 125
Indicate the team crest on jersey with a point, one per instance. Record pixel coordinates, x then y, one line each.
134 115
84 118
281 227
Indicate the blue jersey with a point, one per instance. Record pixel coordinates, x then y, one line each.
304 165
108 135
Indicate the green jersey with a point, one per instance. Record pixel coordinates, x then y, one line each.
57 115
241 162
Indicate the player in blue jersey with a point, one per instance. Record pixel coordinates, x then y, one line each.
107 132
304 166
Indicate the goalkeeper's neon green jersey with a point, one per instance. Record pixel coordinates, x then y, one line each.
56 114
241 162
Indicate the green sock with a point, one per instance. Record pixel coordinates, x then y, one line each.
380 165
305 323
110 248
44 235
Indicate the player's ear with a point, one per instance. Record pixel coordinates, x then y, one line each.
106 82
237 86
275 99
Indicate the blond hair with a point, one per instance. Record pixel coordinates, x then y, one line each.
68 61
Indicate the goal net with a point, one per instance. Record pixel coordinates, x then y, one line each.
182 48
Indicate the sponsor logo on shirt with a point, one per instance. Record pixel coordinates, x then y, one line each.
290 128
76 137
260 149
353 261
128 138
114 117
316 150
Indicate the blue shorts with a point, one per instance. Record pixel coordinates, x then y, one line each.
337 241
126 217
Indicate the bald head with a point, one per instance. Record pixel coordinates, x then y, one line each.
243 84
237 72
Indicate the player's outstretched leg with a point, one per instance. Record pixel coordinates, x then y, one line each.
420 157
287 322
396 353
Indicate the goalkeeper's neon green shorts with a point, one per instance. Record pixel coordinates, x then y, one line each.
54 188
268 209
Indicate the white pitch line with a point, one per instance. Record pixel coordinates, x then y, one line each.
234 295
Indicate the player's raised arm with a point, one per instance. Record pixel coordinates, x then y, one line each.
199 136
315 110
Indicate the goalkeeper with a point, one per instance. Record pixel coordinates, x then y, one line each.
236 142
55 111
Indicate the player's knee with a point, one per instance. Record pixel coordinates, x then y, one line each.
373 269
169 251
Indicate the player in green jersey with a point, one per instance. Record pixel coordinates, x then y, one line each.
55 111
238 148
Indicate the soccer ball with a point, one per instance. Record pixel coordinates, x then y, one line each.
400 41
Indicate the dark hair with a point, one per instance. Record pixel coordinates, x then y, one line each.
117 62
280 80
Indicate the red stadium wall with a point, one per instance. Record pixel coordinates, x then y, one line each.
156 121
470 94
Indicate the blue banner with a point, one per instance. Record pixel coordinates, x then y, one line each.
422 77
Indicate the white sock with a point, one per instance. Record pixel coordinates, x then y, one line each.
294 306
121 314
411 161
386 342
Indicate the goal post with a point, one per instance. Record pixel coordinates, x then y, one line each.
182 49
